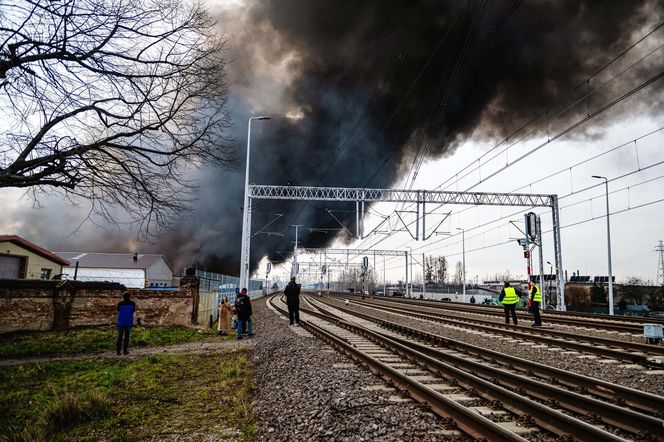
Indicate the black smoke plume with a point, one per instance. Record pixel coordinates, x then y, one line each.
356 89
374 81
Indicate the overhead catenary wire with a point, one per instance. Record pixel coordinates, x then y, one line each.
546 114
578 163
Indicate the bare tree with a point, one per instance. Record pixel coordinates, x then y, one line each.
458 273
111 101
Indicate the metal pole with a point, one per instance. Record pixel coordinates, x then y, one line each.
357 219
424 277
246 219
384 283
549 284
417 218
463 264
294 269
608 240
410 286
362 220
555 218
541 260
407 294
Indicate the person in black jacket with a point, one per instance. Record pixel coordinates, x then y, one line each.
292 292
243 306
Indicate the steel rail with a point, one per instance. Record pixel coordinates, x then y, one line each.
636 399
545 417
629 420
596 318
620 351
468 308
471 423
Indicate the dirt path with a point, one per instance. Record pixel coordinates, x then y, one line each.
140 352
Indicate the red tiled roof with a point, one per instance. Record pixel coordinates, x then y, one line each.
34 248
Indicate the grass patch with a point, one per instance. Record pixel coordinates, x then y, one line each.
90 340
183 396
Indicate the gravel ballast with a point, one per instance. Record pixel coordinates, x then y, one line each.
637 378
307 391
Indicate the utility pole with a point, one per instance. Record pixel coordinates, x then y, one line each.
294 269
384 283
463 245
660 264
424 276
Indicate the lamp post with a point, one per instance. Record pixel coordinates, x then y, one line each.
550 273
463 245
408 285
246 219
608 241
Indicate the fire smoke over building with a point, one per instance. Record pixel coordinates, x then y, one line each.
358 91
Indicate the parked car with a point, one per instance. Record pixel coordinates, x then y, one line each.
655 314
446 299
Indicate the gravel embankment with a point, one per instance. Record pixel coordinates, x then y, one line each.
304 394
587 331
628 376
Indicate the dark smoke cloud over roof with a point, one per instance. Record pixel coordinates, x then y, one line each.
356 89
374 81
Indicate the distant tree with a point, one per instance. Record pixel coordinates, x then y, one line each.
441 270
111 101
429 269
578 297
634 290
656 300
458 273
598 294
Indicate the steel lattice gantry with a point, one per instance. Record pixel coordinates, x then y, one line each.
355 252
397 196
420 198
322 250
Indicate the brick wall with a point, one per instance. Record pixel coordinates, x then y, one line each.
58 305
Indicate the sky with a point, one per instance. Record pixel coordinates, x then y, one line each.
361 94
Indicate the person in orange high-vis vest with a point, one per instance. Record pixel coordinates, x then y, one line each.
509 298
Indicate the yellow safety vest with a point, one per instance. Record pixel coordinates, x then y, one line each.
510 296
537 297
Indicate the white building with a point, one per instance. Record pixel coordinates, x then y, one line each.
131 270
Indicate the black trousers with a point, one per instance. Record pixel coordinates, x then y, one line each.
510 308
293 311
535 308
122 342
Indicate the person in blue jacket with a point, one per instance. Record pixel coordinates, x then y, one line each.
126 310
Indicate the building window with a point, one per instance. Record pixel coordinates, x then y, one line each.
45 273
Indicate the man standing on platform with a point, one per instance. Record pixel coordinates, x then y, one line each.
509 298
292 292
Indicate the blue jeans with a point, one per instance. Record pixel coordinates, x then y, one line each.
239 327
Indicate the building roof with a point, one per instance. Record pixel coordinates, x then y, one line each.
112 260
34 248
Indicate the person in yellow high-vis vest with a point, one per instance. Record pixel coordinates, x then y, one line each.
509 298
535 301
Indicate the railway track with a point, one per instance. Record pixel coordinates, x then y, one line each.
645 354
623 324
483 401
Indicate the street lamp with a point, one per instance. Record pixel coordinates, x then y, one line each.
463 248
246 219
608 241
408 284
548 302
